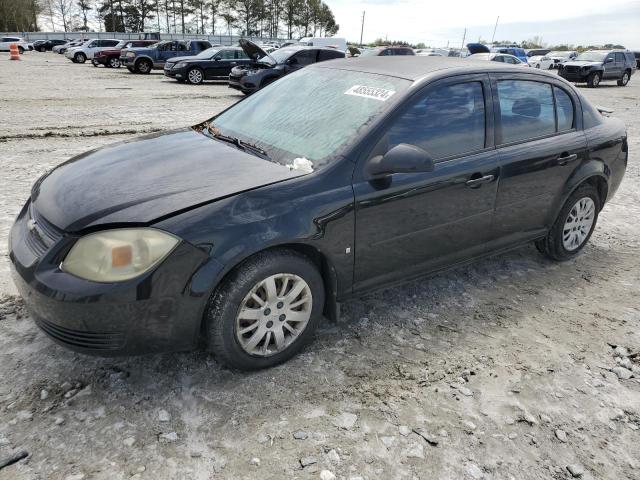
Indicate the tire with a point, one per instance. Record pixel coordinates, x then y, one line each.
113 62
195 76
79 57
143 66
594 79
96 65
554 245
20 50
625 79
223 319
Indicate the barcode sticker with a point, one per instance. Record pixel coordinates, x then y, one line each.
376 93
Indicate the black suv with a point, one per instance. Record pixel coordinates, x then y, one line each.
594 66
268 67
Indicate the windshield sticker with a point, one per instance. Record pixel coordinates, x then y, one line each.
376 93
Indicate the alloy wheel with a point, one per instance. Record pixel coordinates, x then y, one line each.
578 224
114 63
273 314
625 78
596 80
195 76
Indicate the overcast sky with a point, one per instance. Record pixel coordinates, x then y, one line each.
437 22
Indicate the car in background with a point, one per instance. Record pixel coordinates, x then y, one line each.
61 49
593 66
144 59
536 52
243 231
637 55
511 50
266 67
6 42
84 52
432 52
215 63
498 57
387 51
329 42
561 56
110 57
47 45
541 61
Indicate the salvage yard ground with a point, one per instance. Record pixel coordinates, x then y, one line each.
500 370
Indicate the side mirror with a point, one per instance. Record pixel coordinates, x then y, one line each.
403 158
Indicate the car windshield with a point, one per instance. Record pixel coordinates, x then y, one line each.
208 53
310 114
591 56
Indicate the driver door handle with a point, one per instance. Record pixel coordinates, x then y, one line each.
476 182
564 159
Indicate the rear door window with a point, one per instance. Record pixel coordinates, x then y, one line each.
526 110
447 121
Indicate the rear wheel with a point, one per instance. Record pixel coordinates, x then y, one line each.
574 225
195 76
143 66
594 79
625 79
265 311
114 62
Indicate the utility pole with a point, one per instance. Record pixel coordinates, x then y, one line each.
464 36
362 28
494 29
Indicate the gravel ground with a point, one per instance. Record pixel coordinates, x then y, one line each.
507 369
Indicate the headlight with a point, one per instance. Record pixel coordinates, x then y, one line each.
131 54
117 255
180 65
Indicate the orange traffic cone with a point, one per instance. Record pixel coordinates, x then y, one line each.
15 53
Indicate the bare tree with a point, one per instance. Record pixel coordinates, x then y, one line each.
63 10
85 7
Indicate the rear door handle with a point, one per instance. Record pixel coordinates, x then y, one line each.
564 159
476 182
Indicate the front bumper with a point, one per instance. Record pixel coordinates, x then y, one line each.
574 75
237 83
156 312
172 72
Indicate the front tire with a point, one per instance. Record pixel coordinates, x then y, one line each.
79 57
625 79
195 76
143 66
574 225
594 79
265 311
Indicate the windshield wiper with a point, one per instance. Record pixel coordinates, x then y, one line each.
241 144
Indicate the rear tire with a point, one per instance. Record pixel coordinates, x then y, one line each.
594 79
265 319
20 50
571 224
625 79
113 62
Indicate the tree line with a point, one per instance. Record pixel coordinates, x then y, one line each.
265 18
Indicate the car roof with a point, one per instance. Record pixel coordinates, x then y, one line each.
416 68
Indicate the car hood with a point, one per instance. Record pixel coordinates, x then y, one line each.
148 178
581 63
477 48
253 50
183 59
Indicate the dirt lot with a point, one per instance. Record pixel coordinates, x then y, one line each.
502 370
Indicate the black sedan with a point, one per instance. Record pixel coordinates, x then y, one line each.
341 178
47 45
212 64
268 67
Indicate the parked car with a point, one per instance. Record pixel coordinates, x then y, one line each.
541 61
636 54
536 52
47 45
212 64
329 42
339 179
110 57
387 51
498 57
559 56
84 52
594 66
511 50
62 49
144 59
266 67
6 42
432 52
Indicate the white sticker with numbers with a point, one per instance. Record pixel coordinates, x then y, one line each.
376 93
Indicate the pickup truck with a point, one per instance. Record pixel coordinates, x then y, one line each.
144 59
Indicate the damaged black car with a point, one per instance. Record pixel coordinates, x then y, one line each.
344 177
268 67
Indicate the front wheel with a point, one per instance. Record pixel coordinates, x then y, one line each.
80 57
574 225
265 311
195 76
624 80
594 79
144 66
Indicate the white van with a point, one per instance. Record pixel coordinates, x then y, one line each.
333 42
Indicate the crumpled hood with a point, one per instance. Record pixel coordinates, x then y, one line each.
148 178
